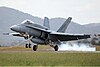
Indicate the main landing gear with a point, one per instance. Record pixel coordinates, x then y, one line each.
56 47
35 47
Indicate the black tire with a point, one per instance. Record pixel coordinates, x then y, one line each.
56 48
35 47
29 45
26 45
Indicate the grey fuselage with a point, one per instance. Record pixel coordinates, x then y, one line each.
33 30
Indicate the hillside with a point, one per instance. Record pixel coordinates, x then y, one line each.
9 17
94 26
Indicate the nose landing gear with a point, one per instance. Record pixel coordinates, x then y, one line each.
28 45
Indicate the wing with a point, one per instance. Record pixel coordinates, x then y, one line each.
67 37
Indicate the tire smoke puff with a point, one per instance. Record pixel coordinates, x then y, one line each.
76 47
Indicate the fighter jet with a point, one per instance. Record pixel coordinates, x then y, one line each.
42 35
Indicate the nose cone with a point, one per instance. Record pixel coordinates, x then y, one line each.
14 28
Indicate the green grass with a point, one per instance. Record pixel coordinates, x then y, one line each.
49 59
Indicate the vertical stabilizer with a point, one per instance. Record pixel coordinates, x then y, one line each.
46 22
65 25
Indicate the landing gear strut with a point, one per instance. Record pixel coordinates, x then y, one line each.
27 37
56 47
35 47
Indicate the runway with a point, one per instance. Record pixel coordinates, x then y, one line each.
41 49
46 51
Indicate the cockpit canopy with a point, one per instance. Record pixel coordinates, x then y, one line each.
27 22
32 24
